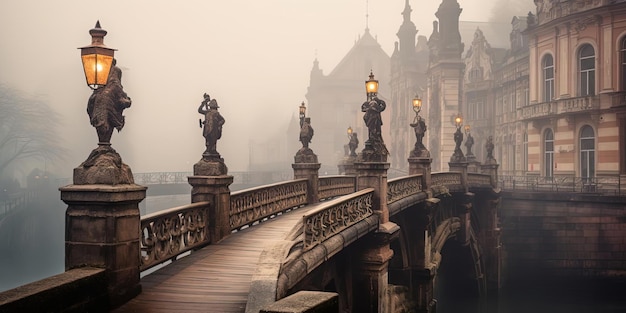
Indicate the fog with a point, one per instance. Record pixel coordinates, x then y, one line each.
254 57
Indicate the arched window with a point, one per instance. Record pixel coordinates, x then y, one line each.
587 67
587 153
623 59
548 78
548 151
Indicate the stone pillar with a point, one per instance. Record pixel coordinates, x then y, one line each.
346 166
374 175
371 271
491 168
310 171
460 167
424 279
492 248
215 190
421 166
464 213
102 226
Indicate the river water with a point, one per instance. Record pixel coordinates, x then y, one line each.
32 248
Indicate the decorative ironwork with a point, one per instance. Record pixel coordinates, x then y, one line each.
169 233
337 215
403 187
253 205
333 186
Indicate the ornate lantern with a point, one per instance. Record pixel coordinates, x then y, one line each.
97 58
417 104
458 121
371 86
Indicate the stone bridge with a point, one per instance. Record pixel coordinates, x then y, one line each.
349 243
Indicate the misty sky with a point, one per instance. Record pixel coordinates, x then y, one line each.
254 57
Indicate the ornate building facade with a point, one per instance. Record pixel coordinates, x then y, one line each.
334 100
574 123
444 83
409 63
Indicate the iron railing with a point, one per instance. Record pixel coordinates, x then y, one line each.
605 185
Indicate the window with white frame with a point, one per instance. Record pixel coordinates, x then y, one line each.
548 151
548 78
587 152
587 68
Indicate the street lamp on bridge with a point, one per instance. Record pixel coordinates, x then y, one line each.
419 126
302 109
97 58
458 156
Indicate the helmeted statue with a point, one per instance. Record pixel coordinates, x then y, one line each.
213 122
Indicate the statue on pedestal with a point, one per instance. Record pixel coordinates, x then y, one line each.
211 163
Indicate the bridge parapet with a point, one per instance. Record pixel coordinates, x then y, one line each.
335 216
333 186
253 205
169 233
402 187
443 183
475 180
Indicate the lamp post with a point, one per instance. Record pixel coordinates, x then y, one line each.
97 58
458 156
419 126
302 114
375 149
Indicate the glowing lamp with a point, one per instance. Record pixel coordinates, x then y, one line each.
97 58
302 110
349 131
417 104
467 129
458 121
371 85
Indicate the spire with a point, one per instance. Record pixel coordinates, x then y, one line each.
406 33
407 12
367 15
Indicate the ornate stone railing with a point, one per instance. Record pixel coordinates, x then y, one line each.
402 187
335 216
169 233
579 104
441 183
253 205
478 180
333 186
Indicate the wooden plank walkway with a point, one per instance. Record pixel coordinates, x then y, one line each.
215 278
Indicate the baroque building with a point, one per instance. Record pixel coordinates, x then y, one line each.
574 123
409 63
444 83
334 100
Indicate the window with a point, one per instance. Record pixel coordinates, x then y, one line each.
525 153
548 153
587 153
587 66
623 59
548 78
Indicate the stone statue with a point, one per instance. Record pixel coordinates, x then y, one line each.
213 122
489 148
457 155
420 130
353 144
372 118
306 132
469 142
105 107
106 104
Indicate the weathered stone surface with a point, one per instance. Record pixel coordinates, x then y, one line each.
305 155
306 302
103 166
210 167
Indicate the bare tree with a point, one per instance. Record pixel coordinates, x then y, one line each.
27 130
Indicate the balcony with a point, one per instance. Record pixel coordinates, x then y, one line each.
560 107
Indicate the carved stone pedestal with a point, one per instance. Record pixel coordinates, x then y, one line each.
310 171
421 166
102 230
374 175
346 166
491 168
460 167
215 190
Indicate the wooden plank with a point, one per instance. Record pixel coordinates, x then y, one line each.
214 279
